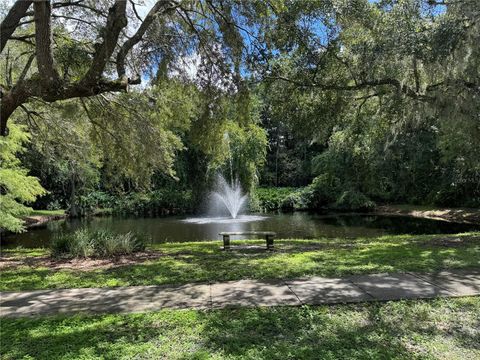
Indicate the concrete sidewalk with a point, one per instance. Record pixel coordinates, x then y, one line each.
313 291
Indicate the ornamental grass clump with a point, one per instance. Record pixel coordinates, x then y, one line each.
85 243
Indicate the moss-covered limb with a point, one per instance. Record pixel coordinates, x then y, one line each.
443 328
205 261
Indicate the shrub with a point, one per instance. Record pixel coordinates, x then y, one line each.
270 199
54 205
293 201
87 243
354 201
97 199
78 244
158 202
322 192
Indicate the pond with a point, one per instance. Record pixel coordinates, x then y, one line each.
295 225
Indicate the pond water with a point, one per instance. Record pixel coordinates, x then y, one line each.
295 225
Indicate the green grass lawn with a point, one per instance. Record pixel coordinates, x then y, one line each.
435 329
198 262
47 212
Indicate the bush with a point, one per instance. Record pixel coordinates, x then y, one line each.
54 205
293 201
270 199
325 192
322 192
166 201
87 243
354 201
97 199
158 202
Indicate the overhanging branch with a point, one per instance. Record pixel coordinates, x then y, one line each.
11 21
401 88
160 7
116 21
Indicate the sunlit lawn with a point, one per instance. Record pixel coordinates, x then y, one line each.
436 329
198 262
47 212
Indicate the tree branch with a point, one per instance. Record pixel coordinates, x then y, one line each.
26 68
116 21
91 23
11 21
160 7
135 10
78 3
401 88
23 39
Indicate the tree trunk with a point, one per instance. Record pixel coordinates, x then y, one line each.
43 40
10 102
73 211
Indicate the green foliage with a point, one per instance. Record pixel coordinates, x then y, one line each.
293 201
324 191
413 139
227 138
140 132
247 149
97 200
270 199
16 186
327 192
165 201
355 201
377 98
85 243
158 202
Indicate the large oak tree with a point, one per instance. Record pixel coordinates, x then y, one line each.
110 39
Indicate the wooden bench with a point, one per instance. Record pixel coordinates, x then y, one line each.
269 235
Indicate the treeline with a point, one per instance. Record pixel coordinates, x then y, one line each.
380 105
407 165
353 103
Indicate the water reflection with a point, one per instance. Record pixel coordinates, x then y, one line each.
296 225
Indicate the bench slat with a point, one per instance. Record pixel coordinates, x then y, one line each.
247 233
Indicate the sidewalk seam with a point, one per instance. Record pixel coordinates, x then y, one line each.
361 289
294 293
432 283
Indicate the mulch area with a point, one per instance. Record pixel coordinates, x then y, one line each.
9 261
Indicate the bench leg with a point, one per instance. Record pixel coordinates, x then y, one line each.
226 242
269 242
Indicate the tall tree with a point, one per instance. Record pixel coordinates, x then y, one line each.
116 42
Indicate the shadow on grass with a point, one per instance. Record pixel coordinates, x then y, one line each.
233 266
214 265
404 330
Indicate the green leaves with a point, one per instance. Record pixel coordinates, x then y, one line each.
16 187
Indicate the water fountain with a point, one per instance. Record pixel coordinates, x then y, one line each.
226 204
230 196
226 201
